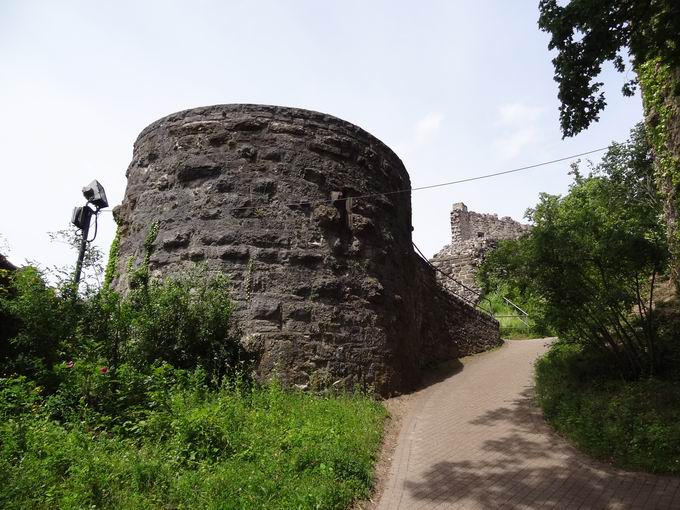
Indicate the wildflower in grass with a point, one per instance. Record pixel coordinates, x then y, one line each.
104 370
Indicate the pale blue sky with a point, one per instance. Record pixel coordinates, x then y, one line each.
456 88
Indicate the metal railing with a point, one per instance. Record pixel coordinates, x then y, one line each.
481 297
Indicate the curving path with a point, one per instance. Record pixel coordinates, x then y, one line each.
475 440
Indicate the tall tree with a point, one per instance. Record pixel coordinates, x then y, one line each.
588 33
592 257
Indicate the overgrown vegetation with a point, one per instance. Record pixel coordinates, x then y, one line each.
513 323
591 260
182 444
589 270
633 424
185 321
146 401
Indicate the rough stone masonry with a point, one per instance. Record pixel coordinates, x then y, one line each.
472 236
327 286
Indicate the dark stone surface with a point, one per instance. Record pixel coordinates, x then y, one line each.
328 287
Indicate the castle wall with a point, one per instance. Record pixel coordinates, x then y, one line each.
472 236
327 287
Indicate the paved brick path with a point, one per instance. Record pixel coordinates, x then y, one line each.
475 440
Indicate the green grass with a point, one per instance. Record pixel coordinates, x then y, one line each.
632 424
513 328
264 448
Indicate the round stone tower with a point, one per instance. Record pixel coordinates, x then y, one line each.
324 277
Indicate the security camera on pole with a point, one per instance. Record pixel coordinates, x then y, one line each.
81 218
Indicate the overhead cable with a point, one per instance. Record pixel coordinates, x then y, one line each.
420 188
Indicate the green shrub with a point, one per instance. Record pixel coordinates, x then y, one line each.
37 321
185 321
634 424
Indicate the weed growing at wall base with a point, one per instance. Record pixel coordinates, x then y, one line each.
232 447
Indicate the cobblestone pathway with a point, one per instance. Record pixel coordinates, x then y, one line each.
475 440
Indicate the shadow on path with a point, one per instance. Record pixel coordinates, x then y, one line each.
439 373
525 464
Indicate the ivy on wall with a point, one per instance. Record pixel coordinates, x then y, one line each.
660 85
139 277
110 271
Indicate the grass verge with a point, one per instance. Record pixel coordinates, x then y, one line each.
513 328
513 325
632 424
262 448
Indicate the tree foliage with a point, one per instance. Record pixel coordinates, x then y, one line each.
629 166
184 321
592 257
35 323
588 33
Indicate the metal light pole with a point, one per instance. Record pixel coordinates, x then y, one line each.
81 218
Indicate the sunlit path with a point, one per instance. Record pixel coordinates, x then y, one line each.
475 440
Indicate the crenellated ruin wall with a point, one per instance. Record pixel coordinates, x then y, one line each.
472 236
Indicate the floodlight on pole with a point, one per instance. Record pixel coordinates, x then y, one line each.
95 195
82 216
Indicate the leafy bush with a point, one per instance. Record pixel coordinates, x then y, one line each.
36 321
186 321
634 424
591 260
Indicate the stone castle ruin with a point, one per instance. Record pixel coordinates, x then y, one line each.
472 236
326 283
